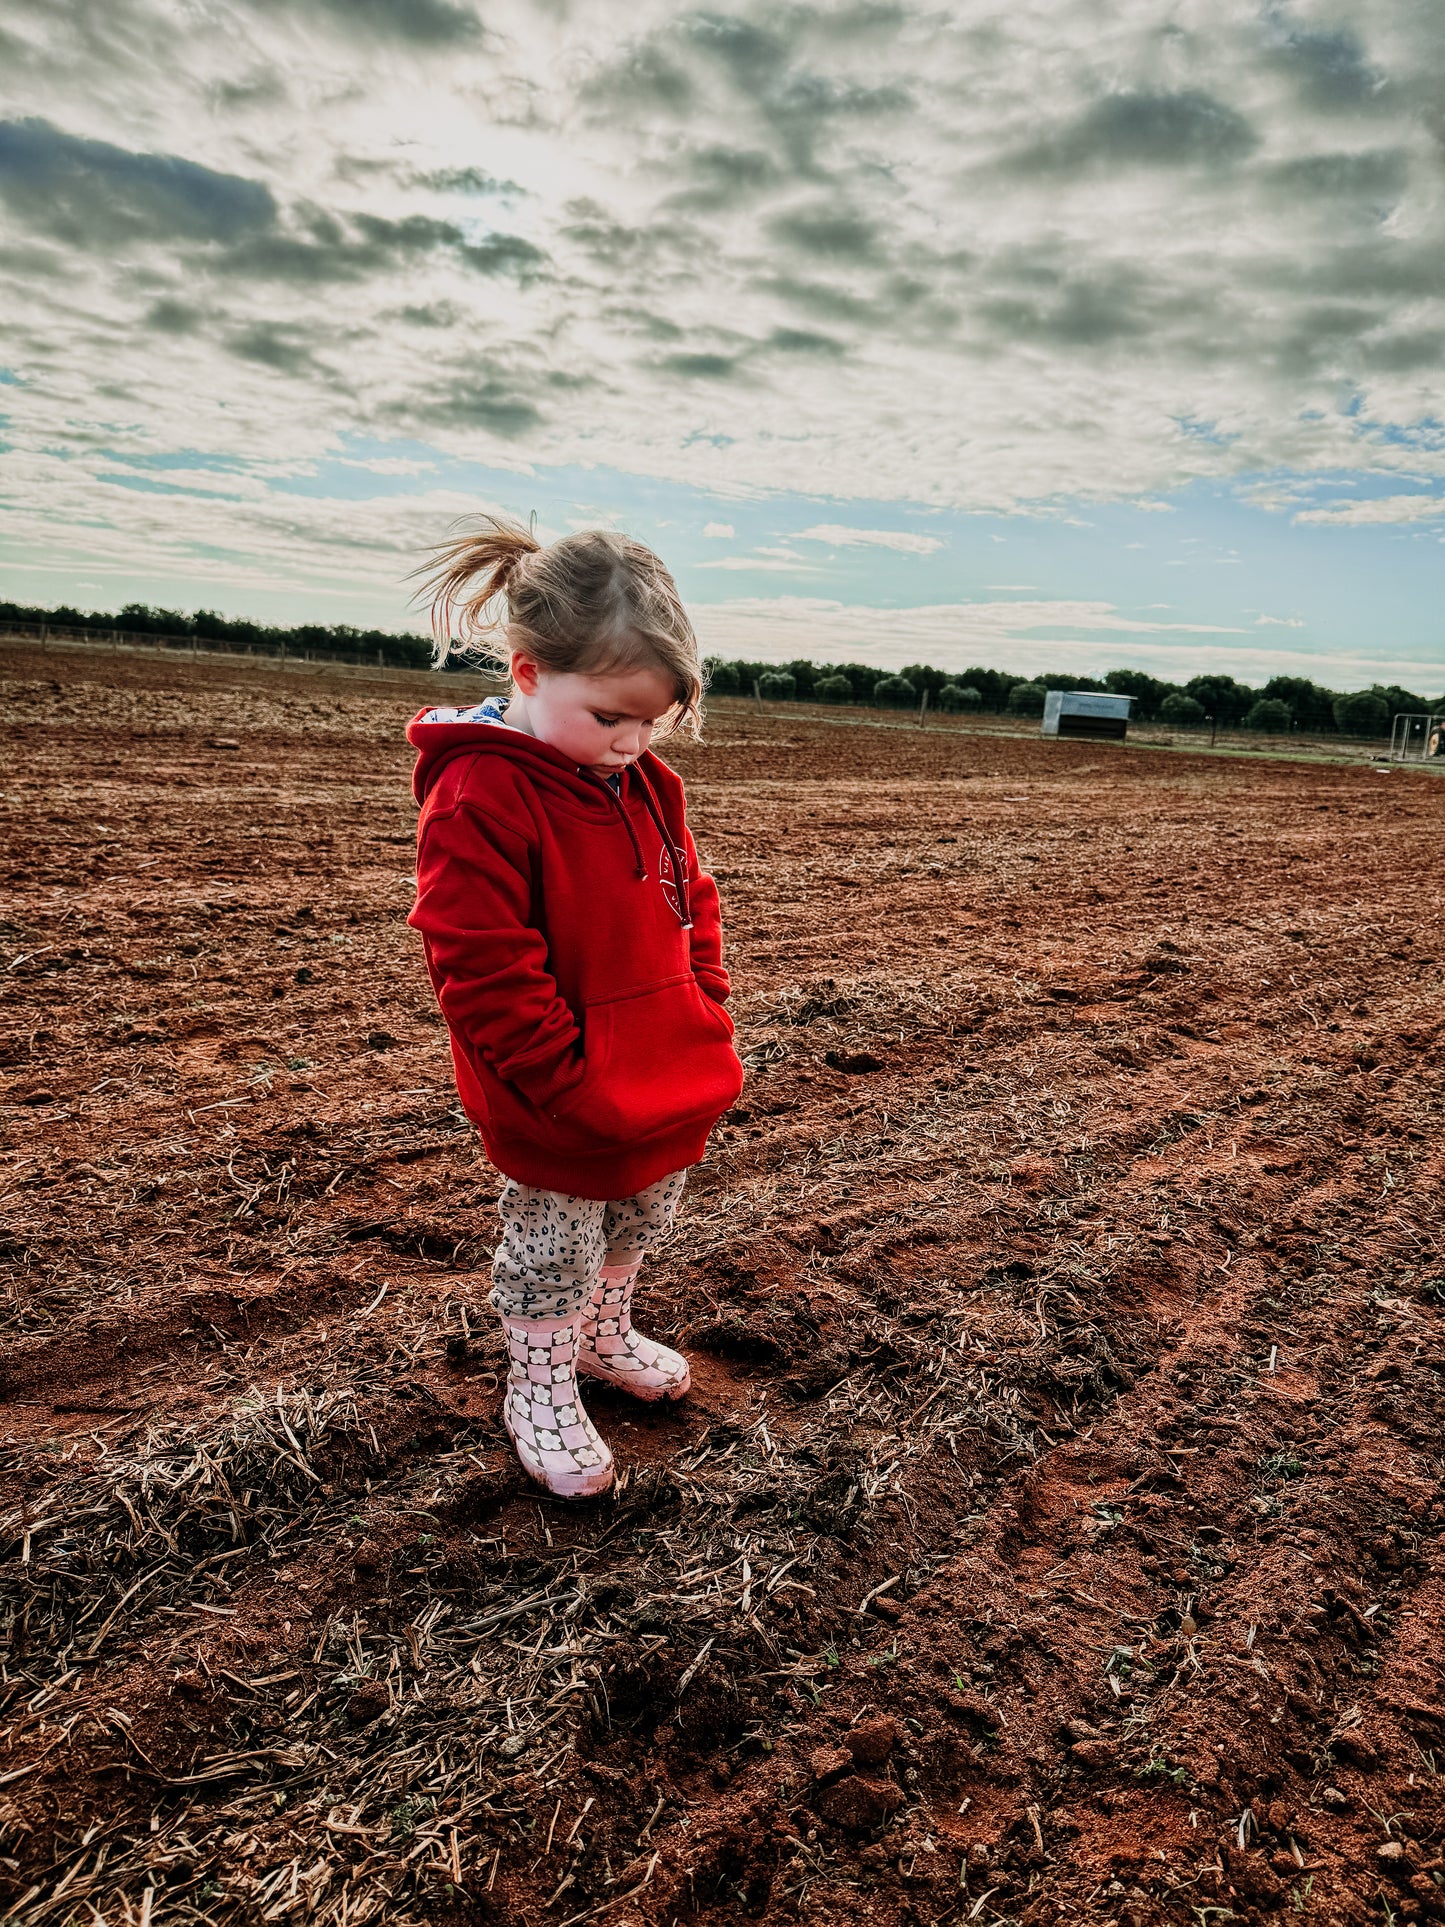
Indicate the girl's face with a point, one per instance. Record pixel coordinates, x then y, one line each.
602 723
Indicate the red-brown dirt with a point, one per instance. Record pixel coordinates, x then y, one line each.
1055 1531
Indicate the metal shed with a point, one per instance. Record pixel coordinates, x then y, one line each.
1417 739
1078 712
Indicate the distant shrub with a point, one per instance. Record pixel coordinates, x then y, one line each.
1147 691
1027 699
1269 713
955 696
833 689
1363 714
777 686
1309 704
1183 711
894 691
722 677
1222 697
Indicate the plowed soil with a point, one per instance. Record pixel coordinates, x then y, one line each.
1055 1532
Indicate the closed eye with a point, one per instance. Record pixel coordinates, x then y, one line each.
607 722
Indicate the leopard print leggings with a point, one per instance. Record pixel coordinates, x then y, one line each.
554 1245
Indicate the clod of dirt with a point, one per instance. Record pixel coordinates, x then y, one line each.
191 1685
1094 1753
1252 1880
368 1557
367 1703
380 1039
735 1339
859 1804
1335 1800
1032 1173
973 1706
1355 1749
857 1063
871 1743
829 1762
484 1494
817 1374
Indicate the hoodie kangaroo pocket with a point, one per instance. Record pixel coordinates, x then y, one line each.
656 1058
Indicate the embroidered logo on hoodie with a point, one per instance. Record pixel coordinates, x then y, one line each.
667 877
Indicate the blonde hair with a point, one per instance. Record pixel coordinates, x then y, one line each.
590 604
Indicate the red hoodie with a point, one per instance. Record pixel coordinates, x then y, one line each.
575 947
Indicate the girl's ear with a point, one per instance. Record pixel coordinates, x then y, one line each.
524 673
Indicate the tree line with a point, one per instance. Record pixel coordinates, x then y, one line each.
1284 703
336 640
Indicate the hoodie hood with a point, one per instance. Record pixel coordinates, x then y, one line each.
441 735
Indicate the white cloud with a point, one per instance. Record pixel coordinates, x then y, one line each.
355 552
776 561
1378 509
719 531
1279 622
839 537
389 465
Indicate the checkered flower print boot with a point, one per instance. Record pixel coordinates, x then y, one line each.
612 1350
555 1440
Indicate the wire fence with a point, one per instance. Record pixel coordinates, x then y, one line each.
364 656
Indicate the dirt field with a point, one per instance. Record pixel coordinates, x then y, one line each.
1055 1533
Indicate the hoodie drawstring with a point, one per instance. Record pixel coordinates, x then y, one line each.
617 803
674 855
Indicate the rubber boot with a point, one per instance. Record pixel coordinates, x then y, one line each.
555 1440
612 1350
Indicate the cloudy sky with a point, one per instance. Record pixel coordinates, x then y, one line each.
1045 333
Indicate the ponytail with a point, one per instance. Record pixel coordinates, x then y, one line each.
465 621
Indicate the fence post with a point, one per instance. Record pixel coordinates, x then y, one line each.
757 692
923 709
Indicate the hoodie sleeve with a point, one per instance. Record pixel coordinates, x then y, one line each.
706 934
487 961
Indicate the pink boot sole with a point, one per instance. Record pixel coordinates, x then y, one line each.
594 1366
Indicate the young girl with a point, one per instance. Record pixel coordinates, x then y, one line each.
575 948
